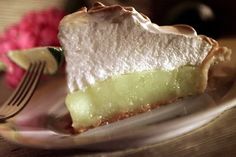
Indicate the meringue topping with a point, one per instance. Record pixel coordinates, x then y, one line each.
107 41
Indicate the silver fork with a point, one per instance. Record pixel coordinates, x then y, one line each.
22 94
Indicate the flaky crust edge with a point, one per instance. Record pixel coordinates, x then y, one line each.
216 54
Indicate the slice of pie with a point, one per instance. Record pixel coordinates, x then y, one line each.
120 64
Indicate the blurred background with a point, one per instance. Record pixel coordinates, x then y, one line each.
215 18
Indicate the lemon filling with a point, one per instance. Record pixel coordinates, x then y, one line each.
129 93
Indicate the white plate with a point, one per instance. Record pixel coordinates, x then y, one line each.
45 122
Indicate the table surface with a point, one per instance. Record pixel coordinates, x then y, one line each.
217 138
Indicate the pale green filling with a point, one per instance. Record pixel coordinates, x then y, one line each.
127 93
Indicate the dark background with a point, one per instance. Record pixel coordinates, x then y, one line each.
215 18
222 23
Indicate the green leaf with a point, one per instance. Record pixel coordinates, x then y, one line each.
58 54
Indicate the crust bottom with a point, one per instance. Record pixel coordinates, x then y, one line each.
125 115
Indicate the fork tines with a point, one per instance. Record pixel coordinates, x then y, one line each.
23 92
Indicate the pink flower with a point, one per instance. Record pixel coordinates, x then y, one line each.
37 28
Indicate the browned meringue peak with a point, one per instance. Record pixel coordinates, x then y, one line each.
99 8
